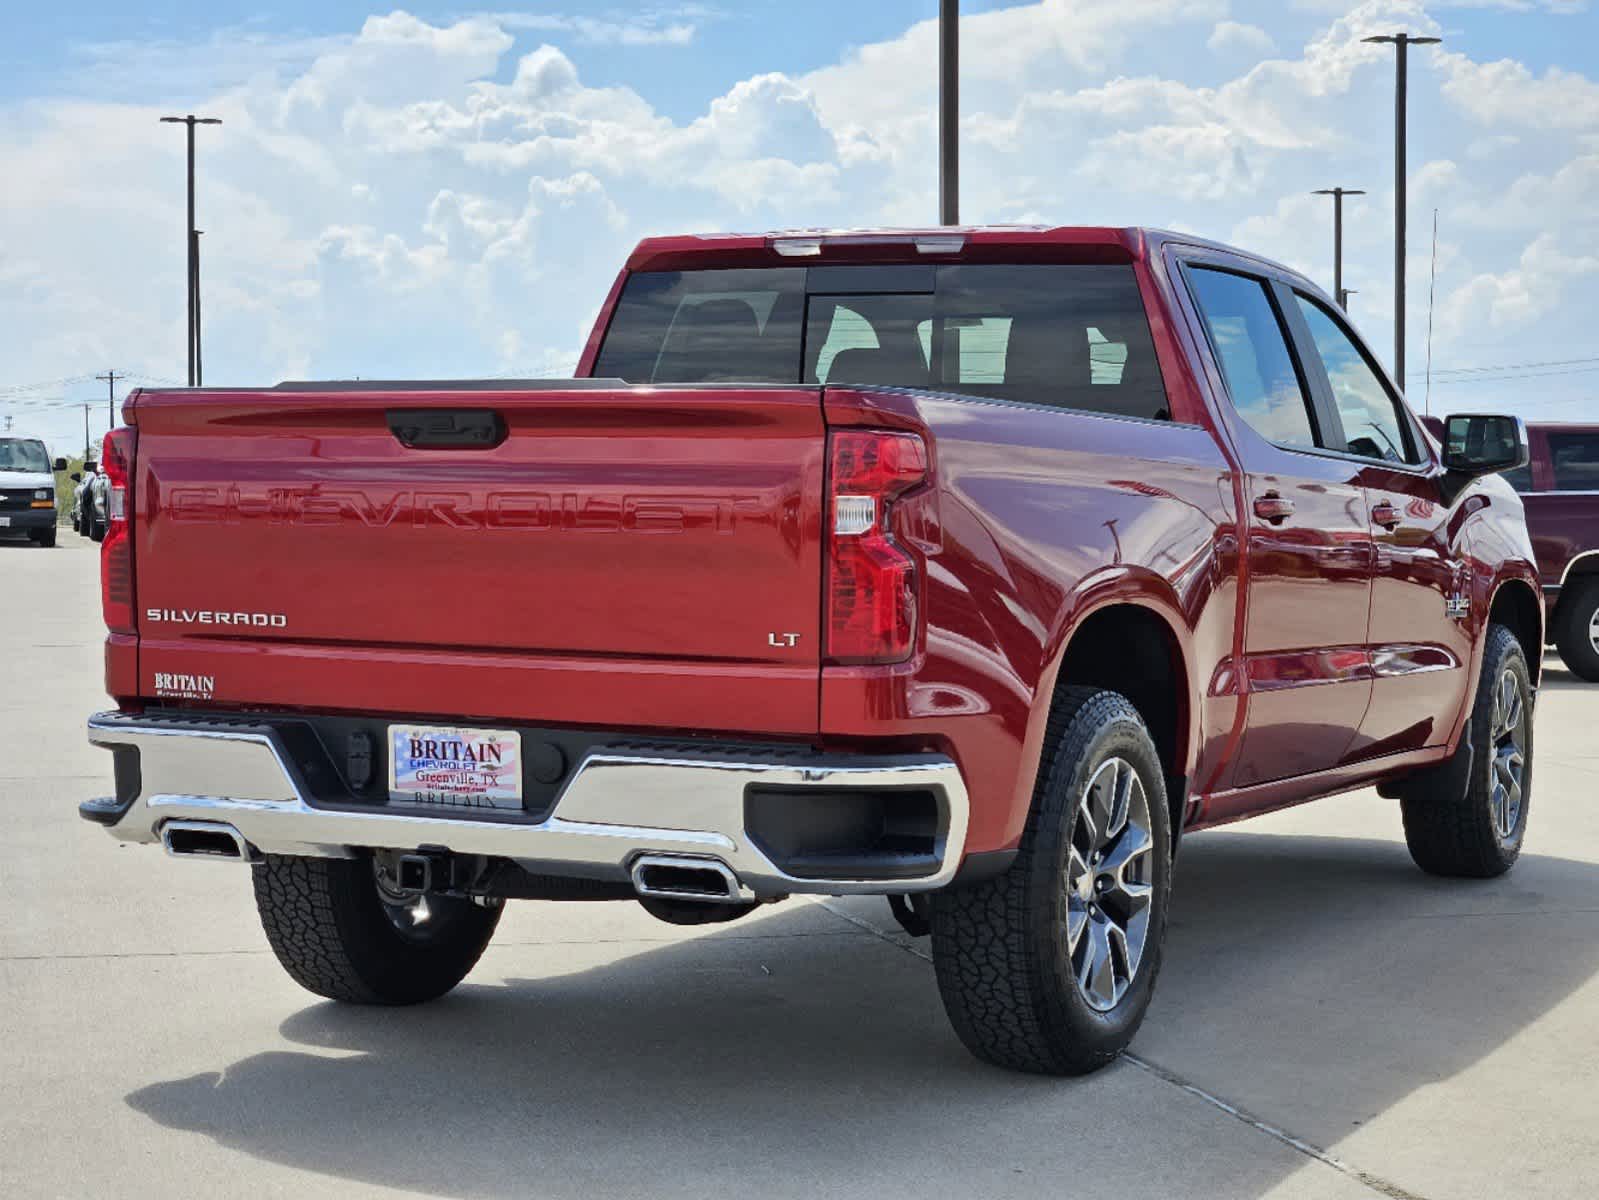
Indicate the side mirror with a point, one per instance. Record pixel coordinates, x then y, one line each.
76 477
61 464
1477 444
90 466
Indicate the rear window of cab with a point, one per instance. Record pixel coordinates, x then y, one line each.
1067 336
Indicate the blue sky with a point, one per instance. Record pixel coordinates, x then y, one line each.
441 190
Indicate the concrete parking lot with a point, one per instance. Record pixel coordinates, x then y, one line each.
1329 1021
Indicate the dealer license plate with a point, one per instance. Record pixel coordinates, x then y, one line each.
450 767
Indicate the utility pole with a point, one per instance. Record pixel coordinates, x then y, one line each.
110 378
1401 43
189 239
949 37
86 433
1338 194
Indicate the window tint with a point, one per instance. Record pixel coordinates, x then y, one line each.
1373 427
1068 336
1576 461
706 327
1071 336
1249 341
1519 478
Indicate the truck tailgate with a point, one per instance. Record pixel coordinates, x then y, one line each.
529 552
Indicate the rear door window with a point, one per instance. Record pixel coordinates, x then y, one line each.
1575 457
1067 336
1252 348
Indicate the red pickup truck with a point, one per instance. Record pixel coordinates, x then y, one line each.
965 566
1560 488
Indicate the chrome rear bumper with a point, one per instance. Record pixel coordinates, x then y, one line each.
616 806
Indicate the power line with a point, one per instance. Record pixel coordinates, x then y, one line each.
1558 362
43 385
1521 375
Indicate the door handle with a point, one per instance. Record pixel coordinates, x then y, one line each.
1273 509
446 428
1385 514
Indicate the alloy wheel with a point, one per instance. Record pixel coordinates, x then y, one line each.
1109 884
1508 736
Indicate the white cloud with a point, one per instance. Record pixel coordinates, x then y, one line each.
453 198
648 29
1506 92
1235 37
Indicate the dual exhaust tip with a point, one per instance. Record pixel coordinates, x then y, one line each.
659 876
205 839
679 877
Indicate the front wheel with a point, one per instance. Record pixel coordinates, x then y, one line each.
1577 630
1468 816
340 931
1050 967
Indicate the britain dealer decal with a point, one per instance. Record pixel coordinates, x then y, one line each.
185 687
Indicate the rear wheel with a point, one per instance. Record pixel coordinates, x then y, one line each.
1577 629
1468 817
343 931
1050 967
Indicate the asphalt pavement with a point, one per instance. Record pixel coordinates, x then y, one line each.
1329 1022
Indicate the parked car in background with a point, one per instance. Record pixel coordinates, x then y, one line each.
1560 488
28 489
966 567
97 500
82 481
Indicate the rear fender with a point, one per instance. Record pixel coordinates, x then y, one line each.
1095 593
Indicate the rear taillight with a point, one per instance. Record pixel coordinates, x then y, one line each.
116 551
871 580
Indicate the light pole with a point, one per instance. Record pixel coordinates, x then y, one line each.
1401 43
1338 194
189 240
194 304
949 36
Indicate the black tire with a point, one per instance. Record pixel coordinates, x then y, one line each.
75 528
328 925
46 537
1574 629
1000 947
96 530
1452 825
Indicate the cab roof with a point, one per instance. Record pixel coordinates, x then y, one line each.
931 244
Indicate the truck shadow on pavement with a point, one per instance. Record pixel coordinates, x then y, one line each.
1313 981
